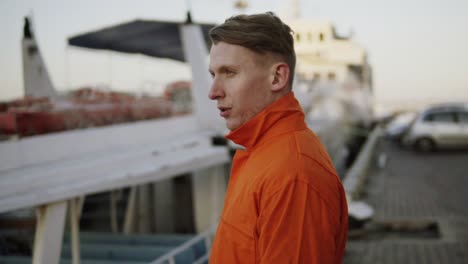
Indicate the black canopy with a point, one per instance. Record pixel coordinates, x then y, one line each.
153 38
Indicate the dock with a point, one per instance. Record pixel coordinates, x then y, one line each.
421 208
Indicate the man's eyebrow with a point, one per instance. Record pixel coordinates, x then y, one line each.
222 68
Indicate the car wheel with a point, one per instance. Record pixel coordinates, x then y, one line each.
424 144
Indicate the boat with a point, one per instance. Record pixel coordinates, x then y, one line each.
45 175
153 163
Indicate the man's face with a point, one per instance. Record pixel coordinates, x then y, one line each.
241 83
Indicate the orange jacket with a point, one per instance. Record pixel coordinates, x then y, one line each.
285 202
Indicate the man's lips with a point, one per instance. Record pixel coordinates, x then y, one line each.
224 111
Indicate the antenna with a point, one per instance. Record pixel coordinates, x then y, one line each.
188 19
27 29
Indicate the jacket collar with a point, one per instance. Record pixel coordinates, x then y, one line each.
282 116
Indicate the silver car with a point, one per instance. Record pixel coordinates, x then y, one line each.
442 126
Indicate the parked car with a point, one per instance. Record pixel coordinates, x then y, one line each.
442 126
399 125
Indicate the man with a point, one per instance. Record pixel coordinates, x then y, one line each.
285 202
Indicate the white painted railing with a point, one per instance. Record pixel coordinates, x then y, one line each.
356 175
47 171
109 169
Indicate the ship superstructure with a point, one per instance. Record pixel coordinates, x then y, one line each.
322 55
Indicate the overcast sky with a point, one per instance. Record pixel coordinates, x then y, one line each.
418 48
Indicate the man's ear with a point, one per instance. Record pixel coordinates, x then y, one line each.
280 76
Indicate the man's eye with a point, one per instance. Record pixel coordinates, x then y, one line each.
230 73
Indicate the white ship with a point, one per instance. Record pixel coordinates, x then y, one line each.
333 83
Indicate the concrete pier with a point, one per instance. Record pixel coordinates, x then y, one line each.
421 209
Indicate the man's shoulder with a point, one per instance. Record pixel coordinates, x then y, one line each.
297 155
311 148
295 147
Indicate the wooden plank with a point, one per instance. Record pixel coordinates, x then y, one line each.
49 233
129 222
75 229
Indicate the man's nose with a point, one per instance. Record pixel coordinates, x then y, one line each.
216 91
